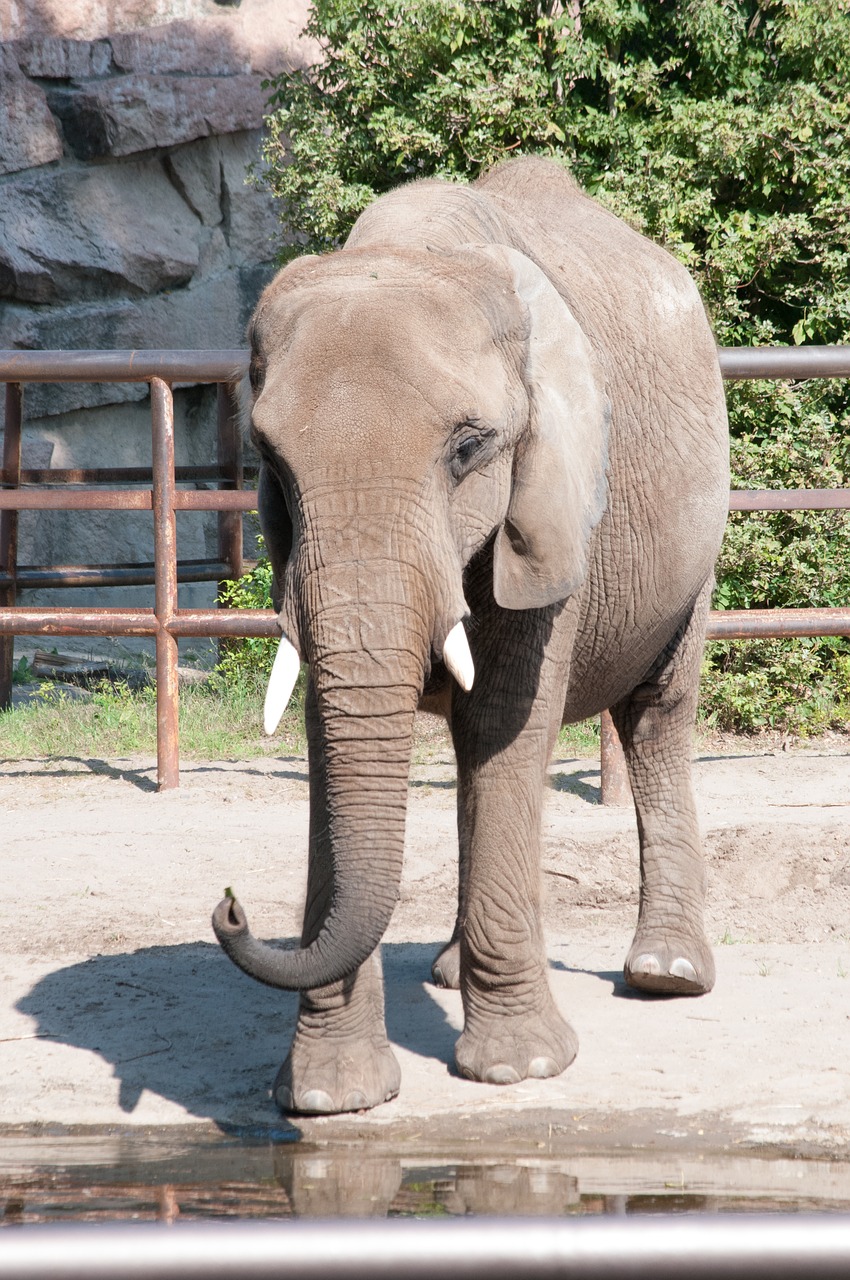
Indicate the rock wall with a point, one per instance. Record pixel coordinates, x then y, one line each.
126 131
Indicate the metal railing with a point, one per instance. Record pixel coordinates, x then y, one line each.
666 1247
21 489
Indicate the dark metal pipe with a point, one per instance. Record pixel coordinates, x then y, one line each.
789 499
210 473
784 362
719 1247
37 577
750 624
230 462
9 532
229 365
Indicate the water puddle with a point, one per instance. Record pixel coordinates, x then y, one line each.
137 1177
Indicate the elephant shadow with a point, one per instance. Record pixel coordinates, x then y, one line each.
182 1023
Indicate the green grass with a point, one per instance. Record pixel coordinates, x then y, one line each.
580 741
218 721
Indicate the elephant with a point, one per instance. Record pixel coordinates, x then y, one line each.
494 480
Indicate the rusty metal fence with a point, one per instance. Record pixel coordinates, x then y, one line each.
88 490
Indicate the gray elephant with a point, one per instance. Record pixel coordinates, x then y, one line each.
494 483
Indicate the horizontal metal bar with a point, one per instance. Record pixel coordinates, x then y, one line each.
43 577
785 362
76 500
215 500
232 364
751 624
708 1247
68 621
254 624
728 624
789 500
210 473
228 365
65 621
125 500
246 499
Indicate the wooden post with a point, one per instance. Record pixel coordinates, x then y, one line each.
616 790
11 478
165 606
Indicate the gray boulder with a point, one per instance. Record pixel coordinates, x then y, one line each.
28 133
138 112
78 234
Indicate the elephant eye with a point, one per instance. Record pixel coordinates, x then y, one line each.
468 447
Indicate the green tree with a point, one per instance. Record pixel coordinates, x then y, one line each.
720 128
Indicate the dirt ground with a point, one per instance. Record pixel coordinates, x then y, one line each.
118 1009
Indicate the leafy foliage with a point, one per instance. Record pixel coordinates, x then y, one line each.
248 658
720 128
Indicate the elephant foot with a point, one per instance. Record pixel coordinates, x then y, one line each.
445 970
509 1049
669 965
326 1076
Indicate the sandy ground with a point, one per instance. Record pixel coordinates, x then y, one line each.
119 1010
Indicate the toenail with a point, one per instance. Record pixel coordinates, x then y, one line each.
647 964
682 968
501 1073
542 1068
316 1100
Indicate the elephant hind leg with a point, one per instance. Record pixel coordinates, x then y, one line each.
670 954
445 971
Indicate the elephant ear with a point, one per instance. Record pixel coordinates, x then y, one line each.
558 487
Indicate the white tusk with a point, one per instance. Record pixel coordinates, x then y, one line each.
457 657
285 670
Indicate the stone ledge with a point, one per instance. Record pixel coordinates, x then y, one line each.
57 58
137 112
213 47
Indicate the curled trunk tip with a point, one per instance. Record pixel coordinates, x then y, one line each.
326 960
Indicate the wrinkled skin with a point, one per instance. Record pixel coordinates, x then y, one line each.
497 403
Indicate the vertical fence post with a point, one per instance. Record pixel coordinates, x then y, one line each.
11 477
230 461
165 557
616 790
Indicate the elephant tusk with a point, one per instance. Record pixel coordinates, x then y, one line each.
457 657
285 670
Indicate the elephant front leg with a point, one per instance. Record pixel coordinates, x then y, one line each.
504 732
670 954
340 1058
512 1027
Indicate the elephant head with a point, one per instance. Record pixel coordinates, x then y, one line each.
412 408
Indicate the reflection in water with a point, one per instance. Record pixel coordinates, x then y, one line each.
54 1180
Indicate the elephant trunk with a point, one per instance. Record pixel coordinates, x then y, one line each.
368 666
